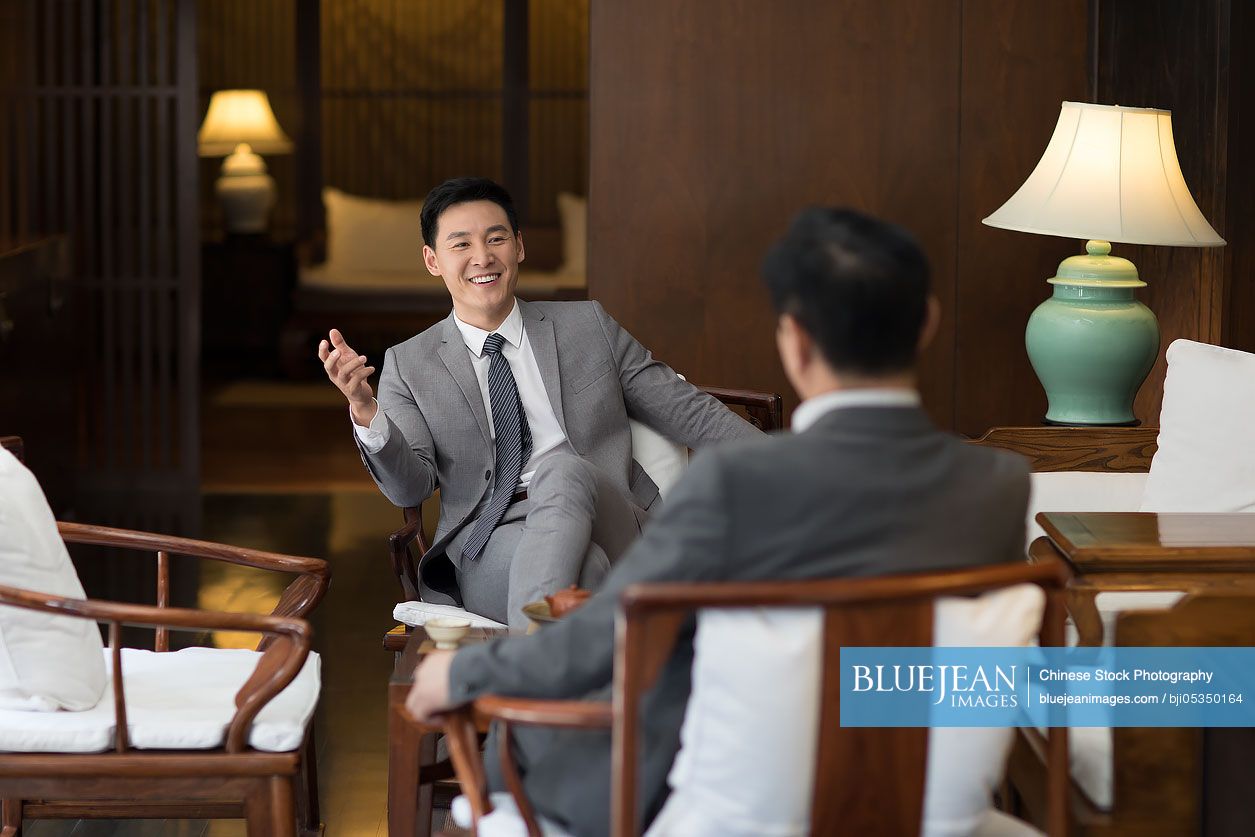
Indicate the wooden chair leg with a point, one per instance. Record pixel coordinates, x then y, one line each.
10 817
269 810
308 819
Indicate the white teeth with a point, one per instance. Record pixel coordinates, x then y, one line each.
485 279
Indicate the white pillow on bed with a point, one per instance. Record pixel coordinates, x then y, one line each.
573 216
370 234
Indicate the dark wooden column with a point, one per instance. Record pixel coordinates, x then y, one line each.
309 209
516 105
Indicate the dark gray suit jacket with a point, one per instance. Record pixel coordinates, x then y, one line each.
865 491
596 375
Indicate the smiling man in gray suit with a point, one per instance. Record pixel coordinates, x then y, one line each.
864 485
518 412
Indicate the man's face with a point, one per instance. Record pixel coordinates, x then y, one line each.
477 255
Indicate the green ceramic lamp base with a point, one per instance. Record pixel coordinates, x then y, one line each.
1092 343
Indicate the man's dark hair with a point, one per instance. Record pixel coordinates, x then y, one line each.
463 190
859 286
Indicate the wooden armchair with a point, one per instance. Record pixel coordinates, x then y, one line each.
407 545
233 780
1159 780
866 781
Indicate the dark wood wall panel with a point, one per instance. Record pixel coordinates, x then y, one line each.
105 103
1175 55
1018 66
697 163
928 114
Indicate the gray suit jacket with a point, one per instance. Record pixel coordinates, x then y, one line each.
864 491
596 376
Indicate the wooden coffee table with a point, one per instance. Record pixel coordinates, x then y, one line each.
412 766
1147 551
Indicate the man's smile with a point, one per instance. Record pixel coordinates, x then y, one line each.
484 278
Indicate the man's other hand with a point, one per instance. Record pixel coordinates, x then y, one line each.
349 372
430 693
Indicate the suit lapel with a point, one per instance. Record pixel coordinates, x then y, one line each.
539 330
457 360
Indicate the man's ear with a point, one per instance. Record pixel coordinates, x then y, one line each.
429 259
518 238
932 322
794 344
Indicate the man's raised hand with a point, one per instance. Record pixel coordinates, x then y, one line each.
349 372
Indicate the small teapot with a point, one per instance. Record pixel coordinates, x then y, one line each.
564 601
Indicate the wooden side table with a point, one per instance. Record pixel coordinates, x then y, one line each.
1147 551
412 765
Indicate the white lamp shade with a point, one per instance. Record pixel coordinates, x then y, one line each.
241 116
1109 173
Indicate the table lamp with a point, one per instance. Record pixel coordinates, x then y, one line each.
1109 174
239 124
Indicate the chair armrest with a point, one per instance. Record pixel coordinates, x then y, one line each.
280 663
460 726
569 714
765 409
298 599
404 564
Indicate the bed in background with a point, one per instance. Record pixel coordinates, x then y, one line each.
364 275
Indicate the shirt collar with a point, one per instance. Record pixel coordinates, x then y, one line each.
810 410
511 329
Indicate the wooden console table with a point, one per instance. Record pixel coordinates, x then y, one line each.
1146 551
412 765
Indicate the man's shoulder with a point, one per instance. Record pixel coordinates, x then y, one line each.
568 310
424 342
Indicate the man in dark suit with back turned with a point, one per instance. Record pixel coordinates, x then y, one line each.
864 485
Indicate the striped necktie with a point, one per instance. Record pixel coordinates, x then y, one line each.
513 444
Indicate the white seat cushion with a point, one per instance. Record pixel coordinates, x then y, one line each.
47 662
1206 456
724 730
417 613
177 700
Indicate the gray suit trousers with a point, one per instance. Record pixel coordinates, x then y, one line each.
573 526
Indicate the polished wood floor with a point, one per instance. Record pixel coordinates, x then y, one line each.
281 472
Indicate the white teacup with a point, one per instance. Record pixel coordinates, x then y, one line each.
445 631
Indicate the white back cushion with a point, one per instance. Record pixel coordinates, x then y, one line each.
1082 491
47 662
661 458
748 744
1206 456
369 234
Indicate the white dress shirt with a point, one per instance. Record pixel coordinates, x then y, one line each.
547 436
812 409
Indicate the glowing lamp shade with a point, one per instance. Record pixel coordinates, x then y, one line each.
240 123
1109 173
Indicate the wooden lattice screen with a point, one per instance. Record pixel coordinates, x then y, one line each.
98 118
